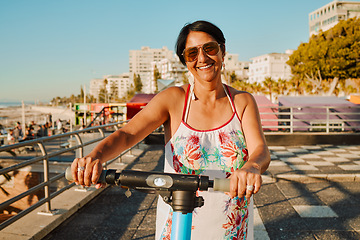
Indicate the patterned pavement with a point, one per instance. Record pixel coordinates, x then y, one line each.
321 160
296 202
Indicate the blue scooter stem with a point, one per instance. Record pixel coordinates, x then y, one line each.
181 226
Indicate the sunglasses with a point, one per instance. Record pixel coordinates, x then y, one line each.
191 54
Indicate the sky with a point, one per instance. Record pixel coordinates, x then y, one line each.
52 48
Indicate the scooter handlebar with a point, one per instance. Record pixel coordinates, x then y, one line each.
151 180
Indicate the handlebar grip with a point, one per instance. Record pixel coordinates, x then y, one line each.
68 174
222 184
106 176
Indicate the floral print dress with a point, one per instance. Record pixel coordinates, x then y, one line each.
215 153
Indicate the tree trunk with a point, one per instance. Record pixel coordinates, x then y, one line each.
333 86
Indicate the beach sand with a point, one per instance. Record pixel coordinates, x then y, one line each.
39 114
10 115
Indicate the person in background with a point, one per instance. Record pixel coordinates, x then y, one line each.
210 129
2 132
18 133
83 124
2 129
32 125
59 126
28 134
45 128
10 137
40 131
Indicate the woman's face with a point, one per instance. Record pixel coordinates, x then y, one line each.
205 67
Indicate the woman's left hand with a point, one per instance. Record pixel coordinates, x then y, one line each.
245 181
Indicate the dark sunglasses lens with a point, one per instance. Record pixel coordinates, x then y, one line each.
190 54
211 48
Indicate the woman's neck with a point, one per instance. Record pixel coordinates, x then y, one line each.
208 91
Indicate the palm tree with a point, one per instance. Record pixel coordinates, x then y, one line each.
256 88
282 86
270 86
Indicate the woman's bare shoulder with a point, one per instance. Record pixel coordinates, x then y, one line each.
171 94
175 90
241 96
243 101
169 98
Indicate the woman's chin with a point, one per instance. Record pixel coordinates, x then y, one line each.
208 76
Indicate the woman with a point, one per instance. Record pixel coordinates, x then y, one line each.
210 129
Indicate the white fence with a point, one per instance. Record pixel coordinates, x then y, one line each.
310 119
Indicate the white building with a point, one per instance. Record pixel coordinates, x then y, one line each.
170 69
232 64
95 86
270 65
140 63
118 83
329 15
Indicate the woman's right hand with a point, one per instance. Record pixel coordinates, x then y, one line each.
86 171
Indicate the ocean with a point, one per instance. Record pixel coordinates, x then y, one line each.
12 104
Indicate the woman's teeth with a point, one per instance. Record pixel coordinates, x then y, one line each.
205 67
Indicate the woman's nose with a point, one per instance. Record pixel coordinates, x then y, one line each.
202 55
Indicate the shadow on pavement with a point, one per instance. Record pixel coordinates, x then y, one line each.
112 215
276 200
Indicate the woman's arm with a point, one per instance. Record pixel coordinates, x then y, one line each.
142 124
259 156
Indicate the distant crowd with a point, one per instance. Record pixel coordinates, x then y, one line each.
32 131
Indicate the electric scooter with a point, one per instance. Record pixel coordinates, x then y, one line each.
177 190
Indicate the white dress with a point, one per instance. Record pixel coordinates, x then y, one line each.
215 153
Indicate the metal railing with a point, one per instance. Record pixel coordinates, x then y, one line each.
274 119
310 119
45 156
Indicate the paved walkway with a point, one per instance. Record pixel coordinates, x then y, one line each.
297 202
309 192
321 161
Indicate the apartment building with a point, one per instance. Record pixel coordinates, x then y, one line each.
141 63
95 86
329 15
112 83
170 69
270 65
119 82
240 68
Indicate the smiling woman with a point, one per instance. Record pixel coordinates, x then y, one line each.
210 129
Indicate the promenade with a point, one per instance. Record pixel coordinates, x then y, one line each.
309 192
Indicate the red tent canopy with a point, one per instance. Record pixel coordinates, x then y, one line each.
138 102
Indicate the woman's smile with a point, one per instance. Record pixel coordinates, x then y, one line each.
206 66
